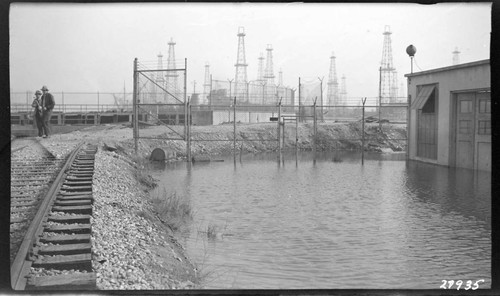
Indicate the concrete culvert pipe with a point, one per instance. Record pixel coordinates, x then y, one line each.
158 154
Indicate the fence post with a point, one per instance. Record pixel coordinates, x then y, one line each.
188 130
234 127
210 92
297 139
315 118
279 129
185 98
62 101
248 86
135 107
283 135
408 119
380 99
363 133
300 103
98 104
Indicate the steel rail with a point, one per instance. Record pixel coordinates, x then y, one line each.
17 149
21 264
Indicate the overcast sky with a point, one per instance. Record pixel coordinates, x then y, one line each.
91 47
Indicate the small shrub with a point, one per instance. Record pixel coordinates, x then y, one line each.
172 209
146 215
145 179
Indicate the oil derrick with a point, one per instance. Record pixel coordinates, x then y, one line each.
206 85
160 82
241 67
269 73
172 76
343 92
388 79
456 56
260 70
333 85
280 78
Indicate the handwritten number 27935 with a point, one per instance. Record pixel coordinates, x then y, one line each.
468 284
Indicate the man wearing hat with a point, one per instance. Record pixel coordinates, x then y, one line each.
48 104
37 104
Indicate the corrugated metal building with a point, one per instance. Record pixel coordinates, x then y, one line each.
450 116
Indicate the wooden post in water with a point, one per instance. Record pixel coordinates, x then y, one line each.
279 130
188 131
283 134
234 128
296 140
363 133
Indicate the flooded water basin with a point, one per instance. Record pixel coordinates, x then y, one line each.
334 223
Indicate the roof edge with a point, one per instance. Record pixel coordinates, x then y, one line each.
448 68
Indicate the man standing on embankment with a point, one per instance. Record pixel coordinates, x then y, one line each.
48 104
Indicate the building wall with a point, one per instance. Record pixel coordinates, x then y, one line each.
473 76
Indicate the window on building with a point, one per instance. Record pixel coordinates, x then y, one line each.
484 127
466 106
484 106
427 122
430 105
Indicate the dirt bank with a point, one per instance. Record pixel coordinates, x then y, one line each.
261 137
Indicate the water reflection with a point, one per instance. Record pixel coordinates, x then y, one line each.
337 223
454 189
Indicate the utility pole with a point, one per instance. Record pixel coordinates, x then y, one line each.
229 118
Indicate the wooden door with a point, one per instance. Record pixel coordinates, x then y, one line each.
483 131
465 130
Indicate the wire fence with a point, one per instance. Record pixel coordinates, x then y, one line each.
223 92
73 102
238 124
271 123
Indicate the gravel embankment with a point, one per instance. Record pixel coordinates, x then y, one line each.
130 251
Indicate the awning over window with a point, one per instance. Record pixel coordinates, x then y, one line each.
423 95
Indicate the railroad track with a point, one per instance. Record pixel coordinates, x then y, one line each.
55 252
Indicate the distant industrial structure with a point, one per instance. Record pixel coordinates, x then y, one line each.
206 85
333 84
260 70
388 73
240 78
172 84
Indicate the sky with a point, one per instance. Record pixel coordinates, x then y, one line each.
80 47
